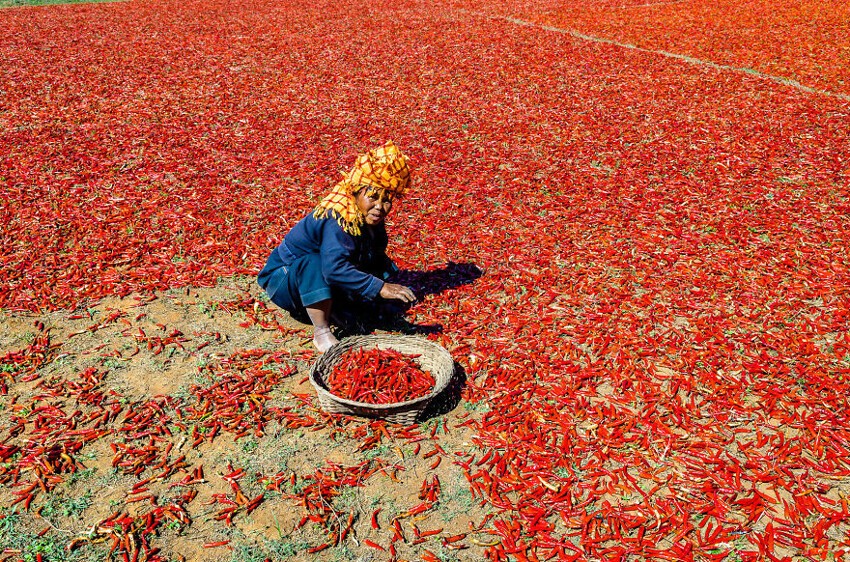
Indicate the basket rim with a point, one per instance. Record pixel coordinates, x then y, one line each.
361 341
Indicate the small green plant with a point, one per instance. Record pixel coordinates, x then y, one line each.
379 451
112 363
480 407
14 538
250 445
208 308
300 485
67 507
276 549
343 553
458 503
385 502
349 499
247 553
81 475
10 520
285 549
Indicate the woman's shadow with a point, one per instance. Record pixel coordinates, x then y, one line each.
425 283
390 316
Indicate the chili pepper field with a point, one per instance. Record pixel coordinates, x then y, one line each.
628 224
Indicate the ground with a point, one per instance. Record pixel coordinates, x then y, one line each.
207 332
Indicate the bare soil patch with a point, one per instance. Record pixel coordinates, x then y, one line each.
117 437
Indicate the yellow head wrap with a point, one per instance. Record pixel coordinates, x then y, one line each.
384 168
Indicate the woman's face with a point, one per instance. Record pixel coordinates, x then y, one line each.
375 204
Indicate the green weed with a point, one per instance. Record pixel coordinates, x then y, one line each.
81 475
208 308
14 538
278 550
67 507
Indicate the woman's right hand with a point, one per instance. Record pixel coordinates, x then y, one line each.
397 292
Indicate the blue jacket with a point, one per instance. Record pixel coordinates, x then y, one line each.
357 264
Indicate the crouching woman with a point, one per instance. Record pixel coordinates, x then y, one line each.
337 253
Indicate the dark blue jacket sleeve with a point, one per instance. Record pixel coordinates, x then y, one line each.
337 267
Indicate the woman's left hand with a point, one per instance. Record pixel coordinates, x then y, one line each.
397 292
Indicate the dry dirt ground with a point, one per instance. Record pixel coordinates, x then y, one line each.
185 422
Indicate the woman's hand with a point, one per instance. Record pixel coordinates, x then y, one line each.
397 292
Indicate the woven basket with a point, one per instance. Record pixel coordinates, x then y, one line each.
432 357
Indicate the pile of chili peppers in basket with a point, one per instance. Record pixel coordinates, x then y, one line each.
379 376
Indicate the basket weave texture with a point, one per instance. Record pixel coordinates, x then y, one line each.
432 357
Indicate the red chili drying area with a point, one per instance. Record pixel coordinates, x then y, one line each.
806 41
657 353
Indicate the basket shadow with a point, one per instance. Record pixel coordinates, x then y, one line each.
449 398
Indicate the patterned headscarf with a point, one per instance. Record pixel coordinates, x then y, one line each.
384 169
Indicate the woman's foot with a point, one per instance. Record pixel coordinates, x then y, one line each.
323 338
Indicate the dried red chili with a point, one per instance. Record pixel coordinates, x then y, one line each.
379 376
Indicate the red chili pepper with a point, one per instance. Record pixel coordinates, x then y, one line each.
378 376
347 526
374 545
321 547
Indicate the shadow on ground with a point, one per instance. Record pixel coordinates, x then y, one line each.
365 318
449 398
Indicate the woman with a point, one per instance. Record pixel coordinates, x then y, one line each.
337 252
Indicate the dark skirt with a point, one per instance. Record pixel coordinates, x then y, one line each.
296 286
300 284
